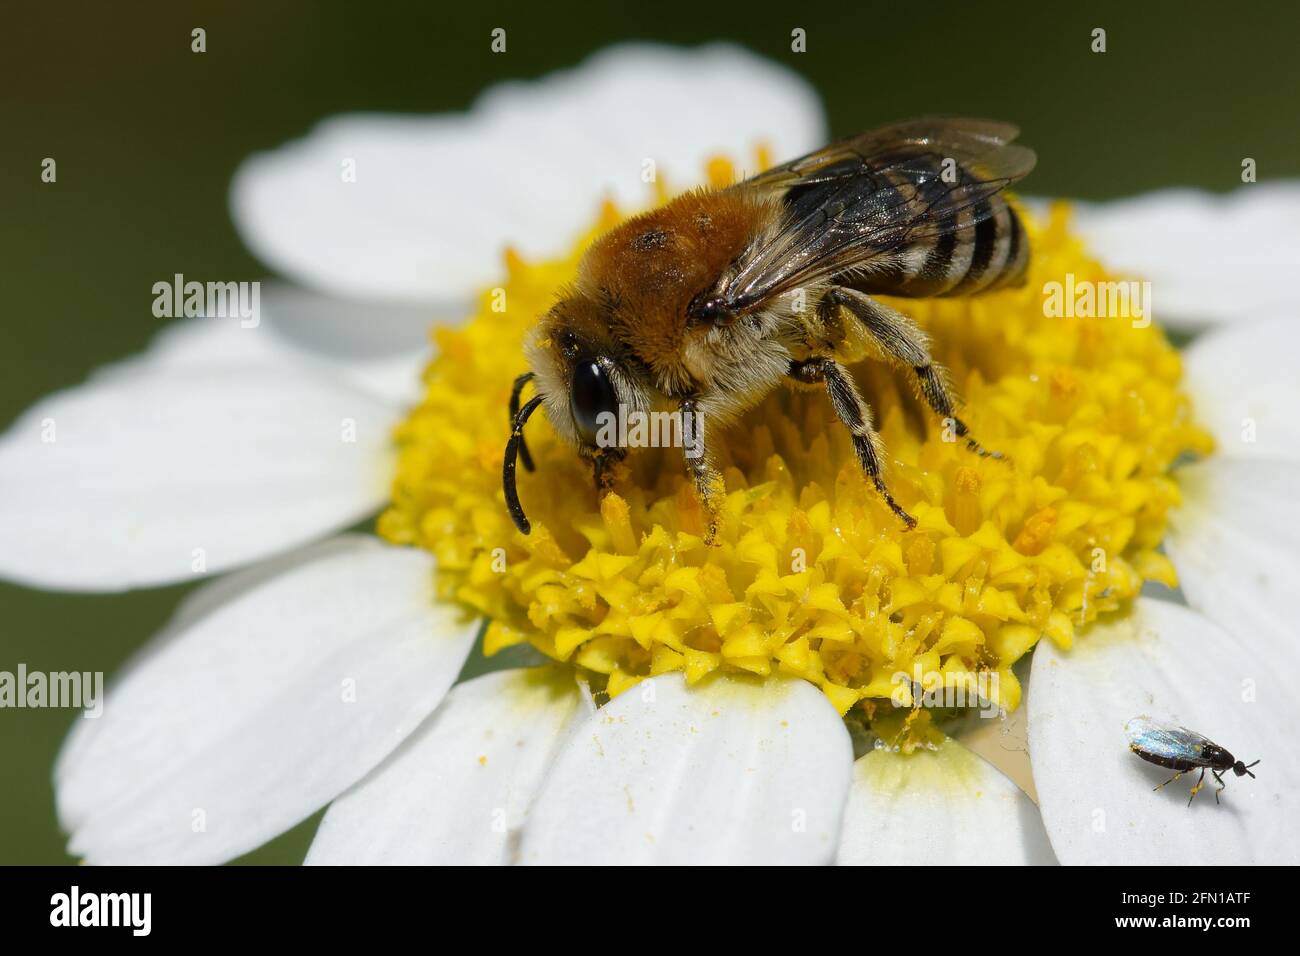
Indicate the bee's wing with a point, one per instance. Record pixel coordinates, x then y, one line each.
1165 740
865 196
965 140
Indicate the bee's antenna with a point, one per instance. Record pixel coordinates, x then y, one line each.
513 447
515 392
1249 765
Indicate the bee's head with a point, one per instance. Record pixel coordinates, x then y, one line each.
1242 769
583 381
578 371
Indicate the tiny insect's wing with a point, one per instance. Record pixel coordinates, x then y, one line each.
857 200
1164 740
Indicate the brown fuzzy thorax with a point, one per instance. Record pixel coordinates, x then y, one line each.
647 270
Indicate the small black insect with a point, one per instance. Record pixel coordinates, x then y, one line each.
1183 750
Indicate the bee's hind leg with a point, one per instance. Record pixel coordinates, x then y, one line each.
853 412
902 340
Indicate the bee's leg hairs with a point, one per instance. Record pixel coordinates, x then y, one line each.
902 340
699 465
853 412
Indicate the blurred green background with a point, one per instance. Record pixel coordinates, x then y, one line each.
147 134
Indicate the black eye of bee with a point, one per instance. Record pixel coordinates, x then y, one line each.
591 394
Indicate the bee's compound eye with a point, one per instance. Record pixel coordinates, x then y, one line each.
591 397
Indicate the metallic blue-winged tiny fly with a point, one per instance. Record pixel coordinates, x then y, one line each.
1183 750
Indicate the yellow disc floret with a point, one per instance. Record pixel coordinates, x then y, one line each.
811 574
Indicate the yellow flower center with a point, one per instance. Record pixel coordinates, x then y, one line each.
812 576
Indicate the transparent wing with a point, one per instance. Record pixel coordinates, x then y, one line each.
967 141
864 197
1165 740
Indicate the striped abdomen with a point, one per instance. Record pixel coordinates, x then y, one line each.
921 217
980 248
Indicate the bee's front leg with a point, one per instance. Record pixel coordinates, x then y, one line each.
697 462
602 461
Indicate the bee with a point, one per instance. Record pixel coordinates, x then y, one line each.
701 307
1182 750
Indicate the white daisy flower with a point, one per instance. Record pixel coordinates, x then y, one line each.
322 671
1220 258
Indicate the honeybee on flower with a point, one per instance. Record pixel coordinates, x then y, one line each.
667 699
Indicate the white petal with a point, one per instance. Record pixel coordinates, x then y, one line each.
379 347
1245 388
436 199
1210 258
1234 545
945 807
456 792
1233 540
729 772
272 692
1234 537
1172 664
153 472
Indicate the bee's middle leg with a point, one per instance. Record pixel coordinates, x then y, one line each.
853 412
902 339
